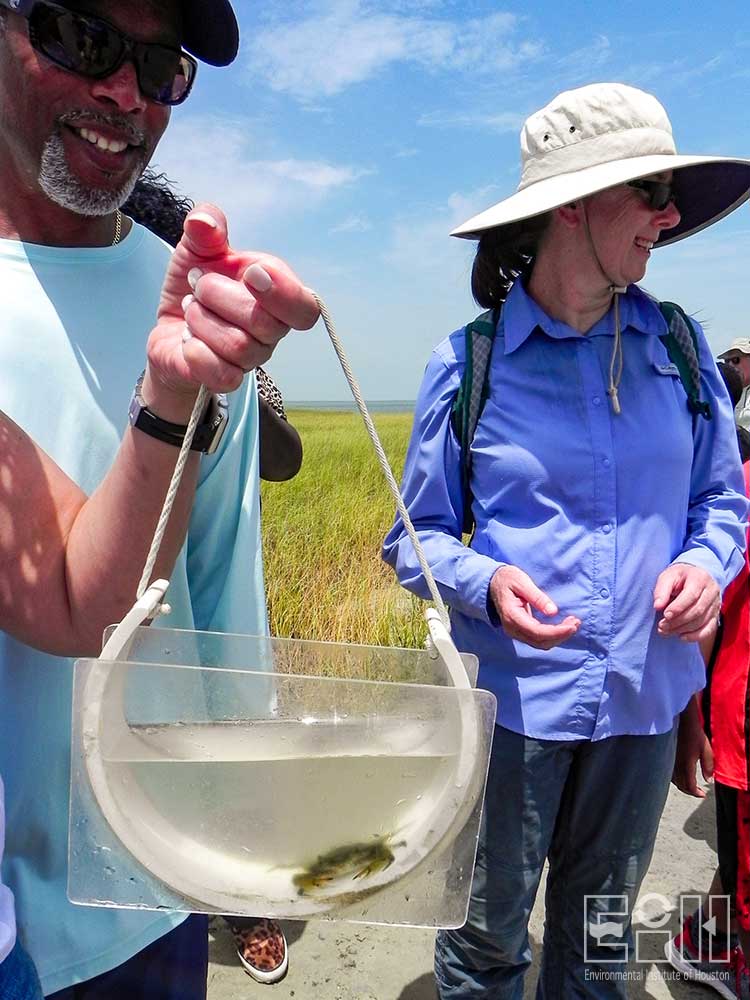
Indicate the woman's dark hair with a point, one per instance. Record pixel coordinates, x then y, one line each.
154 204
502 255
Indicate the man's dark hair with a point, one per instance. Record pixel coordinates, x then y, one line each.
732 380
154 204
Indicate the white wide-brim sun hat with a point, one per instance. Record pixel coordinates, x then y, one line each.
602 135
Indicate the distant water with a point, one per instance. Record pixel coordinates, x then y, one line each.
376 405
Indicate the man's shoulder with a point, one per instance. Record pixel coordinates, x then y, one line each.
144 242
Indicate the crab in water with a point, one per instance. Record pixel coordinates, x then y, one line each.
358 860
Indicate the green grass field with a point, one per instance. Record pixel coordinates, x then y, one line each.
322 533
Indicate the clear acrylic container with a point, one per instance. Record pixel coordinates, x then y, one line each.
261 776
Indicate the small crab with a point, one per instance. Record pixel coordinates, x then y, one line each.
358 860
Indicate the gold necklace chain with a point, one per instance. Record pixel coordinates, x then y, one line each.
118 228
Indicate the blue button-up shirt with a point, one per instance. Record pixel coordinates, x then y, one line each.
592 505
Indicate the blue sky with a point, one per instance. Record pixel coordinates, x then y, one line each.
351 137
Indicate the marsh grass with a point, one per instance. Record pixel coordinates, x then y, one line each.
322 533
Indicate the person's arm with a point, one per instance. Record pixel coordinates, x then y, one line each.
693 747
688 591
68 566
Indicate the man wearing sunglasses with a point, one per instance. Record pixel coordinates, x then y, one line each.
86 88
738 355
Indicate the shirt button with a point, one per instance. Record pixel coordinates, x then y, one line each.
601 654
606 528
604 592
606 463
596 400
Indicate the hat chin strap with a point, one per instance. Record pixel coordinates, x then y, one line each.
616 359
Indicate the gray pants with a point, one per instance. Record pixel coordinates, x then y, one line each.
593 809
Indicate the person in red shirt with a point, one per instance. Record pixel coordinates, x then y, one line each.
715 731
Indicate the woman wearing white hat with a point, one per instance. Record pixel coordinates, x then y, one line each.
608 505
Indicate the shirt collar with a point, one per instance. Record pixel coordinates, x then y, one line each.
521 316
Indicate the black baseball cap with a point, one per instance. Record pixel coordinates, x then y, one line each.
210 31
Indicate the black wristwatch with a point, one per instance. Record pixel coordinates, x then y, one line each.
208 433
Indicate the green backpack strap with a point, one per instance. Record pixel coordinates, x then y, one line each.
681 343
479 337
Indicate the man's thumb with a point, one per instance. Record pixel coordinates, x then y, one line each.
205 232
204 244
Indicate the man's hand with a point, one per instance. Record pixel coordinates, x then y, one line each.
514 593
222 312
689 599
692 747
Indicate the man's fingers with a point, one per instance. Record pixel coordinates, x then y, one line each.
235 326
206 368
231 302
281 293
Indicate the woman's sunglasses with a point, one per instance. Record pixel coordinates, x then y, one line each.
91 47
660 193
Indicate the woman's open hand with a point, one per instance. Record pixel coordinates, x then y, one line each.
514 594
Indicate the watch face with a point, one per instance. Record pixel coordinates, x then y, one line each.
215 423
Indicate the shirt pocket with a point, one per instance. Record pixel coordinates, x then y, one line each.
667 369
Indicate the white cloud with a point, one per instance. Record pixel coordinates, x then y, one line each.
423 243
352 224
325 53
502 121
214 161
582 63
311 173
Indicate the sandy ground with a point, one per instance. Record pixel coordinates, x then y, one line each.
356 962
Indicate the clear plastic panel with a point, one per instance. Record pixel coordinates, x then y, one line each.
201 781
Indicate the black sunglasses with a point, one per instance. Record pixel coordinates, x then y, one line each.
734 361
91 47
660 193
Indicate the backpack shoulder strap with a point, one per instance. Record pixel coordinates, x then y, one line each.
681 342
479 337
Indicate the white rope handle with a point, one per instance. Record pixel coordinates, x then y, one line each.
174 485
382 459
390 478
